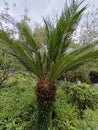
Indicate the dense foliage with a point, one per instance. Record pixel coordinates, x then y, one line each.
82 73
17 102
18 105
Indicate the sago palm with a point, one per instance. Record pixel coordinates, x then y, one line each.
50 60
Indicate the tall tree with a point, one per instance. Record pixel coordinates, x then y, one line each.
49 61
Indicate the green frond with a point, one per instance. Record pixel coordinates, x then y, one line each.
73 59
21 51
20 59
47 30
25 31
60 35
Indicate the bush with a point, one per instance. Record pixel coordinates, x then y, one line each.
76 107
18 109
82 96
17 103
65 113
89 121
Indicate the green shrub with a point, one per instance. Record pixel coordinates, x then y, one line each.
65 113
89 121
82 96
17 103
72 100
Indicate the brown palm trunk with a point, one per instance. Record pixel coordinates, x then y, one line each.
45 92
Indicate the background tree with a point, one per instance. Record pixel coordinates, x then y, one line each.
88 30
8 64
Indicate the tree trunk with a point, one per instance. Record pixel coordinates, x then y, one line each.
45 92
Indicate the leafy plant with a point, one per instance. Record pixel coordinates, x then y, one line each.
89 121
65 113
17 103
50 60
18 109
82 96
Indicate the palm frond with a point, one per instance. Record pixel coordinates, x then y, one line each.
65 26
20 59
75 58
21 51
25 31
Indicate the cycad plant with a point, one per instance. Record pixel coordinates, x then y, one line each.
48 61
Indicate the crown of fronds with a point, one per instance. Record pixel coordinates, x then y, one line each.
52 59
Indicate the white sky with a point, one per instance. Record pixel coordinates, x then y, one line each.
39 8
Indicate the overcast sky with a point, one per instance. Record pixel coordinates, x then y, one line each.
39 8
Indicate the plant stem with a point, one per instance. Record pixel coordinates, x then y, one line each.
44 119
